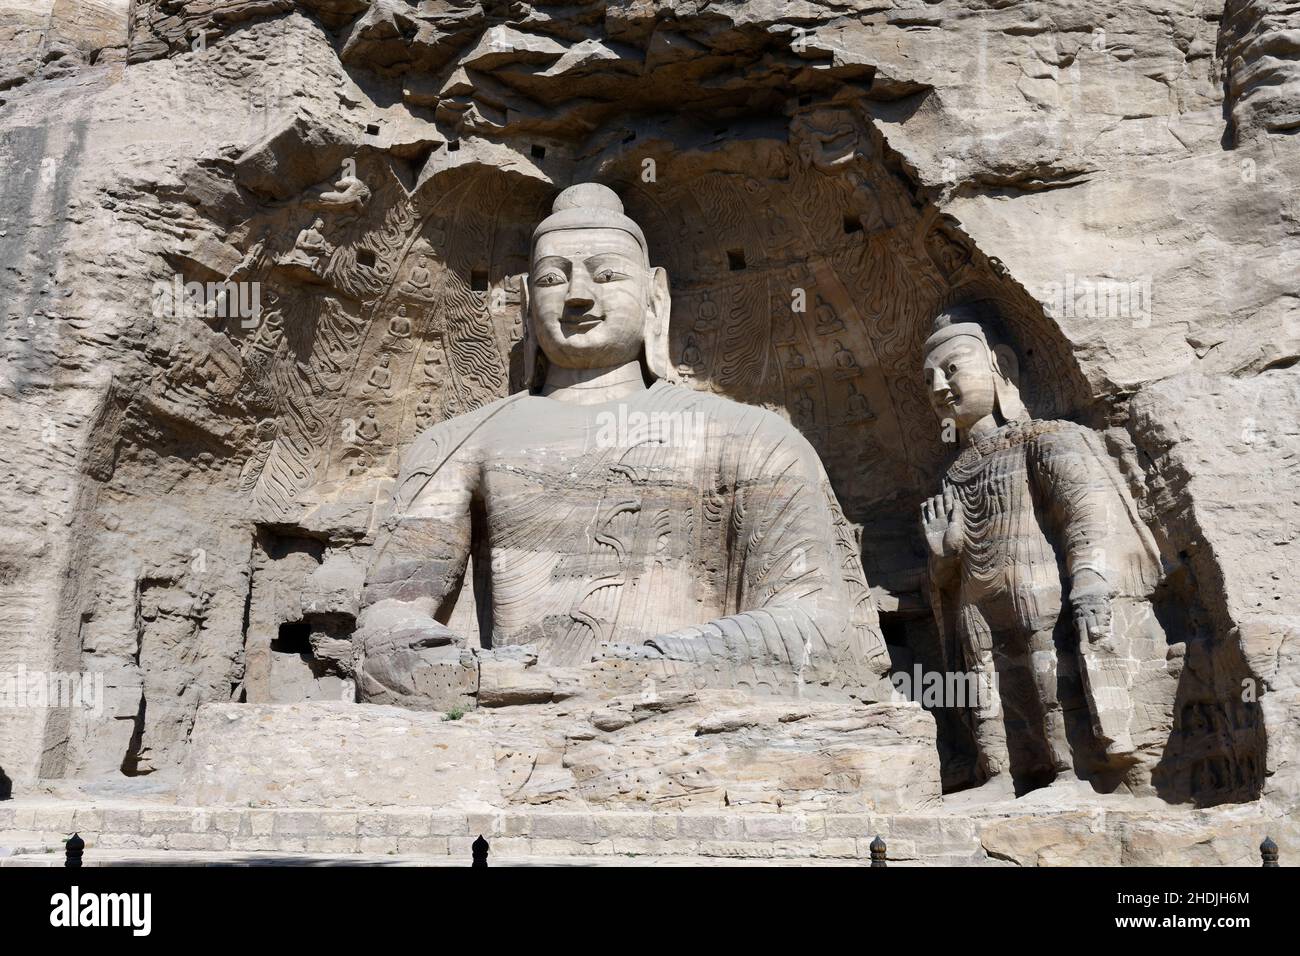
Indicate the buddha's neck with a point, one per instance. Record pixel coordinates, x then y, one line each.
590 386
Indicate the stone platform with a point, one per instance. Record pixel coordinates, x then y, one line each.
700 776
694 750
52 856
1039 830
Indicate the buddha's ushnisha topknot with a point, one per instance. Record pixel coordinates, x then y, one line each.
587 196
590 206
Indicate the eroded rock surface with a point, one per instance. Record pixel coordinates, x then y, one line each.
191 493
699 751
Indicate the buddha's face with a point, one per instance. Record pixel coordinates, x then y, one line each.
588 291
959 380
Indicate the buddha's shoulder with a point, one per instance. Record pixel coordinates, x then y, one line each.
459 428
750 423
725 409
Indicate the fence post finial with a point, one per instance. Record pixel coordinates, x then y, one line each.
878 851
1268 851
74 848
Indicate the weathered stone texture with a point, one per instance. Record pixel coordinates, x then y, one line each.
191 500
697 751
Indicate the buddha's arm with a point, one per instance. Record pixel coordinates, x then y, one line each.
797 585
423 550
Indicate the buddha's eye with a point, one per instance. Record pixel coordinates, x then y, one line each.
549 278
952 367
608 275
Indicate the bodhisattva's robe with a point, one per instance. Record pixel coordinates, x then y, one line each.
674 518
1042 507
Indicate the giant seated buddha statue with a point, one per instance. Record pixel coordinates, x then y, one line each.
607 589
612 513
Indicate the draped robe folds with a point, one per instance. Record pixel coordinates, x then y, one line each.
673 518
1041 504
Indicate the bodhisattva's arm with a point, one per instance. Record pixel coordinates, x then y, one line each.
1075 492
802 604
943 528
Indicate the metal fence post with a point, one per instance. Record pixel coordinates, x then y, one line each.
1268 852
878 852
73 849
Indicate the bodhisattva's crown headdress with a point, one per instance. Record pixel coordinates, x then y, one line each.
975 319
593 206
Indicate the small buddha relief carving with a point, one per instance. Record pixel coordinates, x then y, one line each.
419 284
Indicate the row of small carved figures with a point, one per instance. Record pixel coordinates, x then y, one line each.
75 848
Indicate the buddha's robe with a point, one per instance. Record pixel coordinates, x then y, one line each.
1041 504
674 519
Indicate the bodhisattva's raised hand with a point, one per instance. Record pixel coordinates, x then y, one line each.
941 523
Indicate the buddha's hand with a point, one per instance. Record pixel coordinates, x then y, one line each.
394 647
392 625
628 652
941 523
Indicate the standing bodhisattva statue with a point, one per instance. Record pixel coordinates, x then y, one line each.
613 513
1041 574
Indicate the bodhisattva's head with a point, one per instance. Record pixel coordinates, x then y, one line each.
970 381
592 299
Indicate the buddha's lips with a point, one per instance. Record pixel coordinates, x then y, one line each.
581 321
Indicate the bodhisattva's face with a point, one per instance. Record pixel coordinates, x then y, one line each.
588 291
959 381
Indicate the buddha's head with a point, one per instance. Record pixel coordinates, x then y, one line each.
591 298
969 377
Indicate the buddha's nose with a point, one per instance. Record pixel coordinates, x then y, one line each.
938 381
581 295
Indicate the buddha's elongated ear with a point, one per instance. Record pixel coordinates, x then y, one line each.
1006 384
534 361
657 360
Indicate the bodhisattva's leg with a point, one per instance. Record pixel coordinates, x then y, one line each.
990 728
1042 664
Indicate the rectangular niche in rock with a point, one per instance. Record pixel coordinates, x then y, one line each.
291 656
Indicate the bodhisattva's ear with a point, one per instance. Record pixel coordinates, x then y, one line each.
534 365
1006 382
658 309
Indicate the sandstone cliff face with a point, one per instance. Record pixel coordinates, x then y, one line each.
1118 176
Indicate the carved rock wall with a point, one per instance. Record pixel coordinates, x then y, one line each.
709 751
817 178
